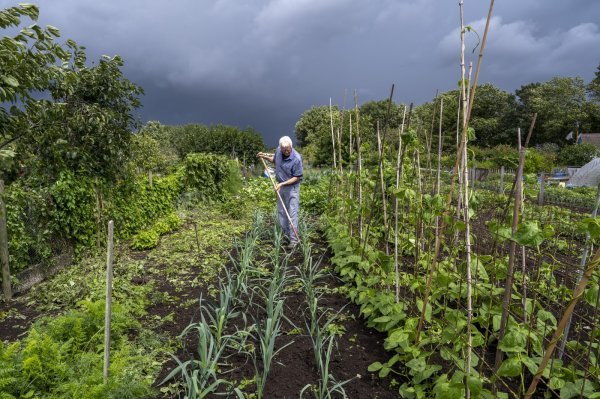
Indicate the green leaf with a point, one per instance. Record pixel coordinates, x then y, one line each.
53 30
475 385
591 226
382 319
384 372
573 389
513 342
10 81
511 367
375 366
529 234
428 309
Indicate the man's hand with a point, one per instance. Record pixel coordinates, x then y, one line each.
278 186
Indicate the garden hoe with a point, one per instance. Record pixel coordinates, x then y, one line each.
281 200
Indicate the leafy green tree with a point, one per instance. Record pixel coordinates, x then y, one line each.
86 128
377 111
29 62
559 104
146 154
578 154
593 88
313 131
315 122
494 117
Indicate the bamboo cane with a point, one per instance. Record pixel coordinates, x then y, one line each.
511 258
281 200
359 169
380 162
398 177
380 151
108 303
439 165
452 182
350 188
332 135
465 191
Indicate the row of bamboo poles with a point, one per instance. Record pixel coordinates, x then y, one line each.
356 193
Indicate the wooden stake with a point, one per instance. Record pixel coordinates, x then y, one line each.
383 201
432 269
332 135
542 189
398 177
108 308
511 256
439 165
359 170
4 258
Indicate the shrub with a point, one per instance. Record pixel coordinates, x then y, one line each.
59 358
134 205
504 155
211 177
578 154
74 210
146 239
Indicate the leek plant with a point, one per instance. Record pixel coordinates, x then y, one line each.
200 376
266 335
328 385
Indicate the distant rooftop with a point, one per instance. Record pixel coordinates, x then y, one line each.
592 138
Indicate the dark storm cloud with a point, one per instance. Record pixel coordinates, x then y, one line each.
261 63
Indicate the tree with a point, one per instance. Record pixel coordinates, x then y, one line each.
314 122
377 111
593 88
29 62
494 117
313 131
559 104
86 128
578 154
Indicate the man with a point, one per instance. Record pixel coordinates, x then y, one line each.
288 173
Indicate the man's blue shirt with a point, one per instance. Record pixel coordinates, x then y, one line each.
286 168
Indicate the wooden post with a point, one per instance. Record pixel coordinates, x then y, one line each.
506 302
6 288
332 135
108 308
542 187
501 179
359 170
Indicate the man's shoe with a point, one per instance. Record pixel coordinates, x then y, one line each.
291 246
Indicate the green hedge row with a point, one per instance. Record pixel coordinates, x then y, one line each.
74 210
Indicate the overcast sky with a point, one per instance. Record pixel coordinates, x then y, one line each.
261 63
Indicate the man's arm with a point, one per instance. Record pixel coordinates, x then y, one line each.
268 157
288 182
